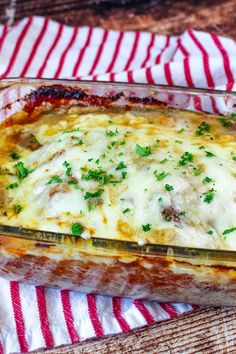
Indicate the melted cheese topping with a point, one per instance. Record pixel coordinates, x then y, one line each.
167 177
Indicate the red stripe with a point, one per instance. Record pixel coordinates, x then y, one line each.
168 74
226 61
63 56
3 36
133 51
1 349
149 76
35 47
116 52
205 56
149 50
93 314
187 71
81 55
144 311
54 44
18 45
130 76
158 59
99 53
188 75
112 77
116 305
168 309
20 326
43 317
66 305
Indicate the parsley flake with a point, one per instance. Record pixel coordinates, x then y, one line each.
127 210
121 166
185 158
210 232
12 186
112 133
94 195
207 180
14 155
160 176
228 231
168 218
143 151
21 171
76 229
146 227
169 188
54 179
209 154
209 196
203 128
68 168
17 208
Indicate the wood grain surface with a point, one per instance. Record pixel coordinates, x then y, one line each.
210 330
163 16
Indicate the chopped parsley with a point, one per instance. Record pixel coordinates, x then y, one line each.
97 175
54 179
207 180
203 128
14 155
233 115
163 161
234 158
185 158
168 218
146 227
123 174
78 140
225 122
76 229
168 187
112 133
197 171
201 147
123 142
127 210
209 196
12 186
178 142
90 206
183 213
209 154
94 195
121 166
74 183
228 231
160 200
160 176
143 150
210 232
71 131
21 171
68 168
17 208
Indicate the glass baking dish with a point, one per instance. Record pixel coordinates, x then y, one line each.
107 266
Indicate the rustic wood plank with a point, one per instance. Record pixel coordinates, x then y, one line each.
163 16
208 331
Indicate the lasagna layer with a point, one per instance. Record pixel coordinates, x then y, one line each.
166 177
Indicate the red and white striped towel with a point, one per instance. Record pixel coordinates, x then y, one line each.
39 47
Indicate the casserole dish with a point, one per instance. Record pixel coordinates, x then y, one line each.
174 232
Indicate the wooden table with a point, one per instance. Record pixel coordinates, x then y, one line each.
210 330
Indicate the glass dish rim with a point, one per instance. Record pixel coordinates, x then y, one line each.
130 247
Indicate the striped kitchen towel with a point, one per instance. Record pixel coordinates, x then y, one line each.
34 317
